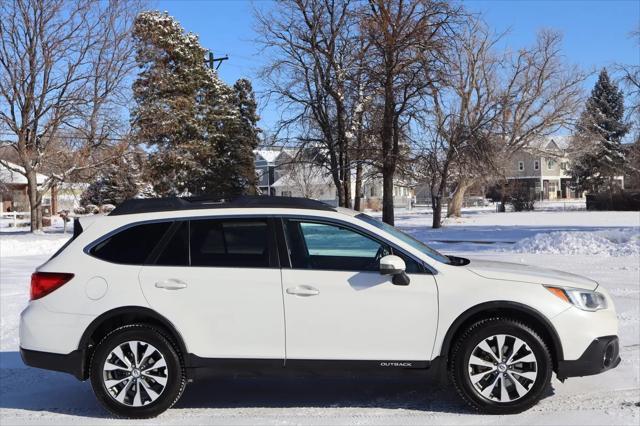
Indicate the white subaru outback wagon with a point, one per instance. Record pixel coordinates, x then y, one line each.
163 291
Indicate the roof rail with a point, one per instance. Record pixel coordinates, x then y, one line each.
150 205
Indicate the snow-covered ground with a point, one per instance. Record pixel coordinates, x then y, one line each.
602 245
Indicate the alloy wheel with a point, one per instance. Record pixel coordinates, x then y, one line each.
502 368
135 373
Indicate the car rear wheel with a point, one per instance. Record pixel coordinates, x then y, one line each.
136 372
500 366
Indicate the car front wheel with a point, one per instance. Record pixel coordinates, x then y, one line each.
136 372
500 366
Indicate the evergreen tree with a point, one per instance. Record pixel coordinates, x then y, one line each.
243 140
120 180
599 155
184 111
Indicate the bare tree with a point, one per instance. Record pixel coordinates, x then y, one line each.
537 94
315 51
465 106
408 40
631 80
63 73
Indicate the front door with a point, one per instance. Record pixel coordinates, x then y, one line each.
218 282
339 306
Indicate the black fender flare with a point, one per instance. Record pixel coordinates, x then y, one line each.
131 310
502 305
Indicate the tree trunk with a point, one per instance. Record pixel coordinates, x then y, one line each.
436 206
34 202
387 198
357 204
455 205
346 178
388 160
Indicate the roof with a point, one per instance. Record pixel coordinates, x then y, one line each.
309 176
271 154
151 205
550 143
10 176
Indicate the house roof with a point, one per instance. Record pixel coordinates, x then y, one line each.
270 155
315 178
11 176
550 143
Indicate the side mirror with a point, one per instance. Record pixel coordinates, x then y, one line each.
394 265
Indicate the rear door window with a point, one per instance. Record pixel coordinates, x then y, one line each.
131 246
230 243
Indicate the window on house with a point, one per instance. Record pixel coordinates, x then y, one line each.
563 165
550 164
520 165
536 165
286 193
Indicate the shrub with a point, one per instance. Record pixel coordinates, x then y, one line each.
620 201
107 208
521 198
92 209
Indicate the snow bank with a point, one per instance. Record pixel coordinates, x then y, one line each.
615 242
31 244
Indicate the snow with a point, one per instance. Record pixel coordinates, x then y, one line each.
600 245
30 244
618 242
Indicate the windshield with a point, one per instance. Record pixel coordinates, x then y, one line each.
418 245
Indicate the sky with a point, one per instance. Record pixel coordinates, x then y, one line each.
596 32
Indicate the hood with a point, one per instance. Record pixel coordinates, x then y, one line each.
529 274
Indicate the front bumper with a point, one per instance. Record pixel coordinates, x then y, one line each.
601 355
72 363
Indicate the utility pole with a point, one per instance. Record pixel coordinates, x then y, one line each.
212 60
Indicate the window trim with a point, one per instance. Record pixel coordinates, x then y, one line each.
277 239
521 166
272 245
426 268
536 165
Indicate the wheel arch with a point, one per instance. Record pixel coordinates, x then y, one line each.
515 310
125 315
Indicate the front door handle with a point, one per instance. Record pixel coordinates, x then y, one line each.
171 284
303 290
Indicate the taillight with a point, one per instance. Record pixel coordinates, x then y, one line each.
43 283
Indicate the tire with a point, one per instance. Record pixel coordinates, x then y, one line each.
144 390
500 387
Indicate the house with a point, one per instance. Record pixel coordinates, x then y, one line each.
542 167
280 174
13 191
268 164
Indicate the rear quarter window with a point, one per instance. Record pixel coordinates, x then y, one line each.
131 246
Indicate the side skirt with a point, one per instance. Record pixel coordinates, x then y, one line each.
198 367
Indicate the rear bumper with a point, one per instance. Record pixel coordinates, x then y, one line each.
72 363
601 355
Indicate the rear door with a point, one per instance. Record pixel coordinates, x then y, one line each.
339 307
218 281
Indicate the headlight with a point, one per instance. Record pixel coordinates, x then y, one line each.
583 299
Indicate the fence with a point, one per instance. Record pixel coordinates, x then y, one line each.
16 218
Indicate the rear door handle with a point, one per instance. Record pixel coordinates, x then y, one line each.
171 284
303 290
